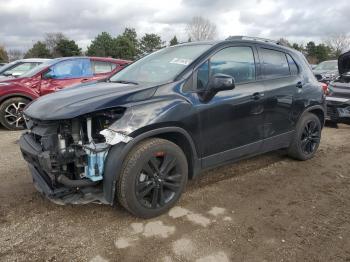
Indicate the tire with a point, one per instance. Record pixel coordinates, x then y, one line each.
11 113
141 189
307 138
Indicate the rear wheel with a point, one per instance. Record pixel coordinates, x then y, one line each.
153 178
307 137
11 115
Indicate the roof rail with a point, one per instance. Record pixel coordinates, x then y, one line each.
242 37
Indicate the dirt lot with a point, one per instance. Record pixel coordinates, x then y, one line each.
269 208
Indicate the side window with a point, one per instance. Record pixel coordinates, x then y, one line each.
275 63
68 69
237 62
203 75
101 67
292 66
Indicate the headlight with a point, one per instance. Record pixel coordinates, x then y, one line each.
4 84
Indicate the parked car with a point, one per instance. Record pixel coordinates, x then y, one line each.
338 99
141 134
48 77
19 67
326 71
2 64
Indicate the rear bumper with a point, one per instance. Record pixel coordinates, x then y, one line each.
338 110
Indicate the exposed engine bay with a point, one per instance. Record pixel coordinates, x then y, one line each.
72 153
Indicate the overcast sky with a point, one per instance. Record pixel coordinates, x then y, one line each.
23 22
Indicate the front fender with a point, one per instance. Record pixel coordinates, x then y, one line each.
10 90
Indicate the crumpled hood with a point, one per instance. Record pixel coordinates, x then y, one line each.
344 63
83 99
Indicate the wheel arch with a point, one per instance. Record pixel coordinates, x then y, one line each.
6 97
317 110
113 166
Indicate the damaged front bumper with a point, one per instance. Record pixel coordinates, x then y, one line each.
338 109
45 180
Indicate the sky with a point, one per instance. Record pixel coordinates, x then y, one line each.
23 22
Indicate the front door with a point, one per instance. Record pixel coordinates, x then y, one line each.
66 73
231 123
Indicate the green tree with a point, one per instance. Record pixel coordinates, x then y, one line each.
39 50
3 55
150 42
67 47
298 47
323 52
174 41
51 41
124 48
102 45
131 35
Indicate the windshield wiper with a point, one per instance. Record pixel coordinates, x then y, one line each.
124 82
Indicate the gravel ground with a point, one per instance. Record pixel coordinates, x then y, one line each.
269 208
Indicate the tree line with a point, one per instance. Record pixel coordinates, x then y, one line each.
128 45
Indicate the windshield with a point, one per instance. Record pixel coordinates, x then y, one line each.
7 66
38 68
161 66
327 65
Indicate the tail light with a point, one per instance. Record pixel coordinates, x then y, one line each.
325 88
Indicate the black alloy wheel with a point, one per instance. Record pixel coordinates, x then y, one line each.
153 177
310 137
159 180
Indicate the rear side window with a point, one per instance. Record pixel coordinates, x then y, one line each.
275 63
74 68
101 67
237 62
292 66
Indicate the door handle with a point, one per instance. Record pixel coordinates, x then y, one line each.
299 84
257 95
85 80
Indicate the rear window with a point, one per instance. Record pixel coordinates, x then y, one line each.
275 63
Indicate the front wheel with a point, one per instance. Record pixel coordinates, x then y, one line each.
11 115
307 137
153 177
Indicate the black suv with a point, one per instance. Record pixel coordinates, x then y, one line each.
141 134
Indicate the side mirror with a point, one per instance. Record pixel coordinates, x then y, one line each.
48 75
221 82
217 83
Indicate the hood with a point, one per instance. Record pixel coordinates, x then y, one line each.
344 63
83 99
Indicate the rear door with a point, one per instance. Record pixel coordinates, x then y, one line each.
282 81
66 73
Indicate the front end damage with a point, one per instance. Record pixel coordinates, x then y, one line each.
67 157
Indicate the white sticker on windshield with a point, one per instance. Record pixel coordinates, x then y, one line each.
181 61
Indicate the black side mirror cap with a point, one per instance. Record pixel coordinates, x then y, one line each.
217 83
221 82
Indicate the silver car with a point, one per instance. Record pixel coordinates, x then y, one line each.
19 67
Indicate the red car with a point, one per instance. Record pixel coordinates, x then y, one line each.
16 93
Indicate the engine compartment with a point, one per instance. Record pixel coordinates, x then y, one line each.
74 151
